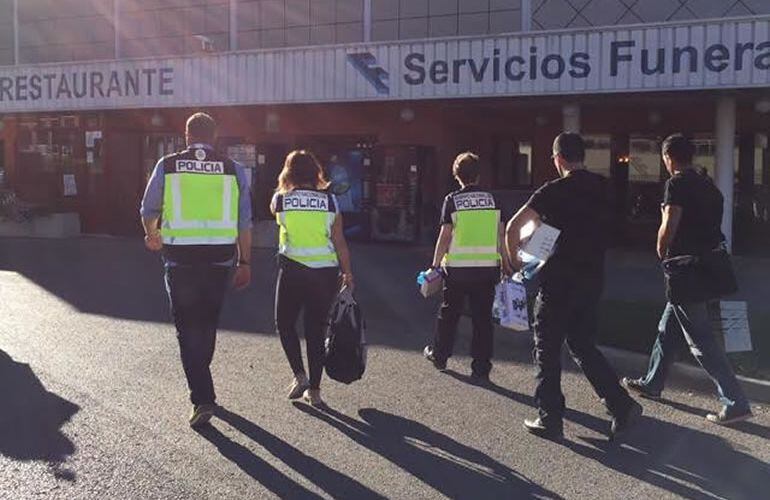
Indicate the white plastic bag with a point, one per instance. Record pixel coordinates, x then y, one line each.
510 305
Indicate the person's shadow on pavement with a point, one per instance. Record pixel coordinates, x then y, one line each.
31 419
747 427
681 460
596 424
334 483
264 473
450 467
684 461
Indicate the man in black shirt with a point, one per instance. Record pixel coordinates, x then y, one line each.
570 288
692 218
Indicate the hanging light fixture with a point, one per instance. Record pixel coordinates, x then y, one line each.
762 106
157 120
407 115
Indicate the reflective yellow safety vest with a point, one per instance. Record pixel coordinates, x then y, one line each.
200 199
476 221
305 219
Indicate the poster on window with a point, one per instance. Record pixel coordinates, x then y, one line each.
389 195
70 186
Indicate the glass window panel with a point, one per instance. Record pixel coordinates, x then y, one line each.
760 145
644 159
598 154
524 164
705 154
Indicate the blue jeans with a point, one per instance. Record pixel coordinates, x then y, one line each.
196 294
690 324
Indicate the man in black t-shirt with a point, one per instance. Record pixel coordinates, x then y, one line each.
692 218
570 287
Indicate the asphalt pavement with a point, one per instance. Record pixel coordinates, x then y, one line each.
94 403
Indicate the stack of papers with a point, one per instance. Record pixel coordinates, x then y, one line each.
542 242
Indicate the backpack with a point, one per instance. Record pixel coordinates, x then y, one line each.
345 357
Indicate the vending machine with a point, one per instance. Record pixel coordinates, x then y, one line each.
395 184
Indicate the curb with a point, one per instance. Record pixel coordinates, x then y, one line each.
687 376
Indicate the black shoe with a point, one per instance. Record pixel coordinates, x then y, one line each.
480 377
431 356
540 429
621 423
730 415
636 386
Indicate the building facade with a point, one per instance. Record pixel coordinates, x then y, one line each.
386 92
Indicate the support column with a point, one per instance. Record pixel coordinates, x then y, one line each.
571 118
16 32
725 161
233 24
116 27
745 181
526 15
367 20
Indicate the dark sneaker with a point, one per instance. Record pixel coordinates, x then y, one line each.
201 415
480 377
537 427
636 386
621 423
431 356
730 415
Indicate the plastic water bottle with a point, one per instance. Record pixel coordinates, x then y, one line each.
428 275
531 266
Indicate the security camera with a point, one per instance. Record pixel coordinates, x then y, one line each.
207 44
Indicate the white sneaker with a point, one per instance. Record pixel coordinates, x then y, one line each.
313 398
298 386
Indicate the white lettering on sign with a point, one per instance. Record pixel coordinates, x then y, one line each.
474 201
200 167
306 200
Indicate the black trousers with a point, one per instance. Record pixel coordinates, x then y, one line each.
196 294
300 288
480 294
567 310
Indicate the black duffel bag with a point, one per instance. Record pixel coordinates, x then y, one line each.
699 278
345 358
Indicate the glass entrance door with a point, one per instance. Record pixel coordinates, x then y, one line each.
157 146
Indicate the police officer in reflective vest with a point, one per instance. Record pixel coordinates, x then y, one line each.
469 250
312 252
196 210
